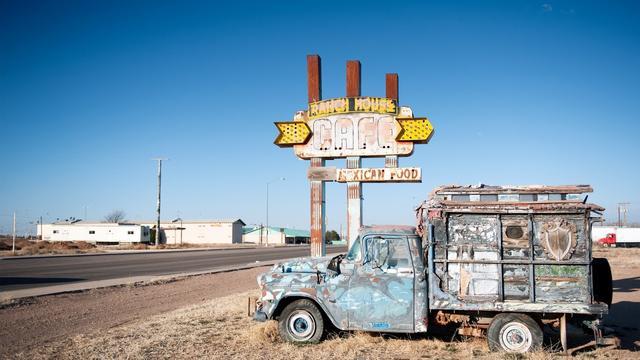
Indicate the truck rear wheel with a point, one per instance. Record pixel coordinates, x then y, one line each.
301 322
602 280
516 333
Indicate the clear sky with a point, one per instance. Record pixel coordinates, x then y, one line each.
520 92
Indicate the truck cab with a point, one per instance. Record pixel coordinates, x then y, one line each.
496 261
374 287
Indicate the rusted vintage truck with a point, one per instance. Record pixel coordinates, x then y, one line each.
496 261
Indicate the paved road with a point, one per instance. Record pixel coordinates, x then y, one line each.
16 273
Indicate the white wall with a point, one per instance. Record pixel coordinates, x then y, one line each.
200 232
275 237
98 232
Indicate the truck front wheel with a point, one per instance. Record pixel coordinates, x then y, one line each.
301 322
517 333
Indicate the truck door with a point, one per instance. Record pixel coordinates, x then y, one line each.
381 288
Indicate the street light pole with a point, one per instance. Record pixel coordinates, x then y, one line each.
269 182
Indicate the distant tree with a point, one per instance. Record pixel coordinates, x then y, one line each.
115 216
331 235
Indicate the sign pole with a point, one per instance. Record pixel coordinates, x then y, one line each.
318 246
391 86
354 204
354 189
317 214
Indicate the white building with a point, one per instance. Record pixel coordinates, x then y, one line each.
94 232
198 231
276 235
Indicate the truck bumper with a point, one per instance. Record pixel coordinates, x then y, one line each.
259 316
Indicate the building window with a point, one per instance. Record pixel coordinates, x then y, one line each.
130 232
55 231
91 232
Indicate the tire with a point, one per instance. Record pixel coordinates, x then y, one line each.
514 333
602 281
301 322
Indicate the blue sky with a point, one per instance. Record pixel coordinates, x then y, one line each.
520 92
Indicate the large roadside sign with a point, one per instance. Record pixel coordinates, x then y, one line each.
347 127
351 127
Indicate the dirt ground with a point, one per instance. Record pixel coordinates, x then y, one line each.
624 316
47 320
28 247
183 321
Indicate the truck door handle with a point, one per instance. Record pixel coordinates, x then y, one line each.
405 271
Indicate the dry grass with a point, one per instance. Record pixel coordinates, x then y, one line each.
28 247
175 246
220 329
620 258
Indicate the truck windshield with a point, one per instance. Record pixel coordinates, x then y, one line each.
354 252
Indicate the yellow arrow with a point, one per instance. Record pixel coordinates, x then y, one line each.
292 133
415 130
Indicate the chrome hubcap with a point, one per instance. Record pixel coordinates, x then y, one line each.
515 337
301 325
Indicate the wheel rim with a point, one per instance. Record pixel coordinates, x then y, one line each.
301 325
515 337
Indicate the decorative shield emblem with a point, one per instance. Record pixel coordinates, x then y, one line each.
558 238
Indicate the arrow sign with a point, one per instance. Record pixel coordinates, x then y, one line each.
292 133
415 130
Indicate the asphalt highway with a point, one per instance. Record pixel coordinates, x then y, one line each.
25 273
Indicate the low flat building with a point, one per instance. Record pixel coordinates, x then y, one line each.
275 235
198 231
94 232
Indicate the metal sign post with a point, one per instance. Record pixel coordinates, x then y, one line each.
350 128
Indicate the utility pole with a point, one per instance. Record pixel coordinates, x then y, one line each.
14 233
159 160
623 208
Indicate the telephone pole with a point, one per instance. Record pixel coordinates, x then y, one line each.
13 249
159 160
623 208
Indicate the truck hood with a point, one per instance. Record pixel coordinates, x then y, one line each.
303 265
298 272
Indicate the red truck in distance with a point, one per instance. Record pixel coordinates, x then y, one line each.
608 241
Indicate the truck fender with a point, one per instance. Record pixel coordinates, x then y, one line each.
297 296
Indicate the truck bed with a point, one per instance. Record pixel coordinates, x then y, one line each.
509 256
